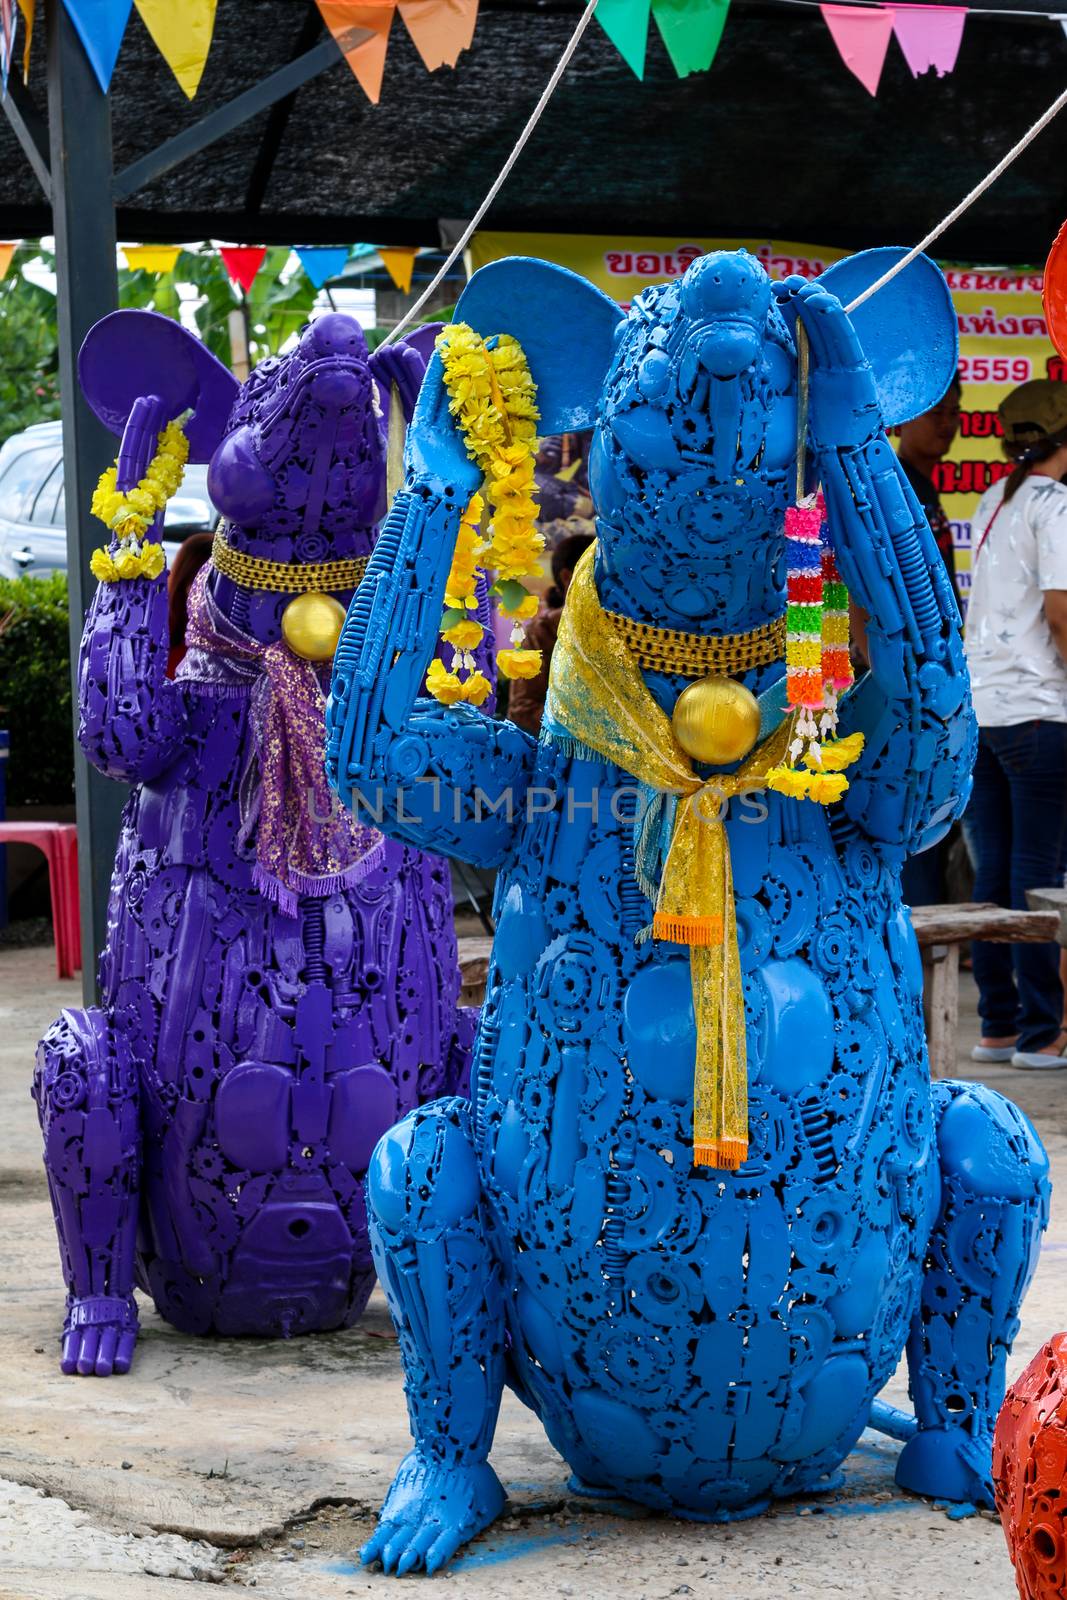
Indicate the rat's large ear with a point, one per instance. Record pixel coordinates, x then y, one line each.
133 353
565 325
908 329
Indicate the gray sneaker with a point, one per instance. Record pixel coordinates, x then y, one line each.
993 1052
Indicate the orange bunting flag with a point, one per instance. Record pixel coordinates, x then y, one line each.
182 35
350 22
400 264
151 257
6 252
242 262
28 8
440 29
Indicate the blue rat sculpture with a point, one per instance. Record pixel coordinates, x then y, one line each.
696 1340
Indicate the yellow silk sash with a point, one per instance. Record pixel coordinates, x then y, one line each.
598 696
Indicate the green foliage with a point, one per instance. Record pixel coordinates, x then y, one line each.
274 310
35 690
29 385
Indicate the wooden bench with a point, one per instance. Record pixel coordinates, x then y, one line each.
1051 900
940 931
473 968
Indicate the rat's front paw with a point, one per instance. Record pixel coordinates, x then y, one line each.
429 1512
99 1335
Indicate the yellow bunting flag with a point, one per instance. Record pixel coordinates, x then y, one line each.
182 35
6 252
349 21
400 264
27 7
151 257
440 29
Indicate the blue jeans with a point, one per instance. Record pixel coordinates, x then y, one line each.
1016 826
922 877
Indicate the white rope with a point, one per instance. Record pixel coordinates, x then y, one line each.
968 200
520 144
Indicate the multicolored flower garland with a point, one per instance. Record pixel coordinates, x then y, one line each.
129 515
494 401
818 668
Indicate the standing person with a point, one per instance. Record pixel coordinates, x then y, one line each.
527 700
1017 652
924 443
193 553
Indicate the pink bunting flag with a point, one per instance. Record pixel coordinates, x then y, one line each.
929 36
862 36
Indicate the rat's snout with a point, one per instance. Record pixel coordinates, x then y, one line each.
337 388
336 349
726 350
727 297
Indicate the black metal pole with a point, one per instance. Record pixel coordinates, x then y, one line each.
83 214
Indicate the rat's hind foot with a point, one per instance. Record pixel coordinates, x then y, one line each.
946 1464
980 1258
99 1335
430 1511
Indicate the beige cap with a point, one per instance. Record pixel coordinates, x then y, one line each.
1034 410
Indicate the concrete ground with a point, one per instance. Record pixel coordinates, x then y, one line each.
258 1465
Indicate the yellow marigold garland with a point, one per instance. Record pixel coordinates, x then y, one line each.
129 515
494 401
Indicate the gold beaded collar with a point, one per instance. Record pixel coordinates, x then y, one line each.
285 577
694 655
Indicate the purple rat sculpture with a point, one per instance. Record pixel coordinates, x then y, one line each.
279 982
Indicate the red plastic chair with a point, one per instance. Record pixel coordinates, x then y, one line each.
59 842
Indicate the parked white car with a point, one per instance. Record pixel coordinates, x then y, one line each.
33 533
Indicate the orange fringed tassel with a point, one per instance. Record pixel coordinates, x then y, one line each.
727 1154
687 930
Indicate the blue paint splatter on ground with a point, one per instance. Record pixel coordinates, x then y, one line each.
493 1550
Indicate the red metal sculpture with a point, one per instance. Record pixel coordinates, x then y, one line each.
1030 1473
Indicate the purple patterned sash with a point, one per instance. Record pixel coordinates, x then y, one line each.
305 842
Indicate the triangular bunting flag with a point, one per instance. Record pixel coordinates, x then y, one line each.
322 261
929 36
367 56
242 262
862 36
399 263
691 30
28 8
7 40
100 25
6 253
440 29
151 257
626 24
182 35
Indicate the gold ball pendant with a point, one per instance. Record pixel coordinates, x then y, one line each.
716 721
311 626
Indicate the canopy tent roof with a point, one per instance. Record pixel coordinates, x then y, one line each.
777 140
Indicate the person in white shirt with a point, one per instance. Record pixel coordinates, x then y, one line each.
1016 645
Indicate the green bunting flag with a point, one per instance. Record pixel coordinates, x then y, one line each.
691 30
626 24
